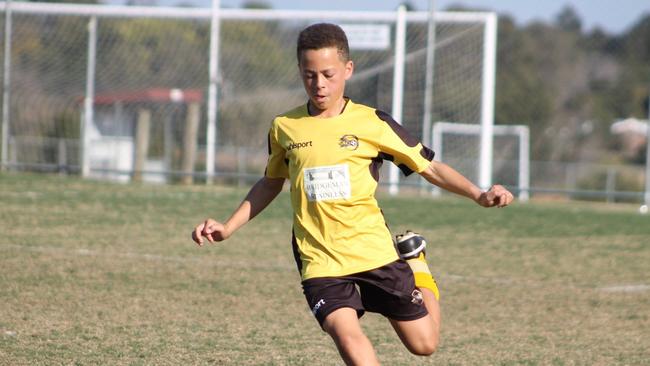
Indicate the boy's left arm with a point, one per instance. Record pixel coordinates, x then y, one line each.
445 177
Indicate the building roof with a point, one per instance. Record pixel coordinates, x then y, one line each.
629 125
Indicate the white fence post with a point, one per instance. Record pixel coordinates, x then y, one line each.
524 163
487 103
211 130
429 74
89 105
6 95
436 145
398 85
427 114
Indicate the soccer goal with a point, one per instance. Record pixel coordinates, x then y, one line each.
102 69
458 145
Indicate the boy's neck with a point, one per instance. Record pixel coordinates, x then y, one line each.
328 113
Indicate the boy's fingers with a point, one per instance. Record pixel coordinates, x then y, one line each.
207 232
210 229
505 198
490 197
498 196
207 228
197 239
196 236
502 201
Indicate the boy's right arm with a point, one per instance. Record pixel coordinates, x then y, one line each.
260 195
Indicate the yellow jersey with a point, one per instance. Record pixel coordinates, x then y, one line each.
333 168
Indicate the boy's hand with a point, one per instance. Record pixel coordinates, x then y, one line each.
211 230
497 196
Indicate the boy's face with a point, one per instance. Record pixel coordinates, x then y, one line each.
323 74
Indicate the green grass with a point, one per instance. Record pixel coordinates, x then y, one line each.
100 273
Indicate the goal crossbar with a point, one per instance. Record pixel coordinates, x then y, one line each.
234 14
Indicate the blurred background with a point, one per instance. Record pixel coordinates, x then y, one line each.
574 74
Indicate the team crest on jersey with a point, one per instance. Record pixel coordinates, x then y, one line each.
349 142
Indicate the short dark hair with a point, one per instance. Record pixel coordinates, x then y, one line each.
323 35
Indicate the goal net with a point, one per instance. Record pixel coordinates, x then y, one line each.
456 144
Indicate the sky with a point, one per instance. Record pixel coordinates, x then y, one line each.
613 16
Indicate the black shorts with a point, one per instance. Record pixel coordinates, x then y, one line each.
389 290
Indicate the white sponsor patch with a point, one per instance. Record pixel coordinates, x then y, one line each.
325 183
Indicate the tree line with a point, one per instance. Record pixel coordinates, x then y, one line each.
569 85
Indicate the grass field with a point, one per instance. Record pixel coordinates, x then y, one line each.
99 273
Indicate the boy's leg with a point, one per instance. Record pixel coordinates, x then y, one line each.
421 336
344 328
337 305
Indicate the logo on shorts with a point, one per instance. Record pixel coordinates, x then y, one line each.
416 297
320 303
349 142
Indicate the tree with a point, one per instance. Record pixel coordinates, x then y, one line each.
568 20
522 95
253 4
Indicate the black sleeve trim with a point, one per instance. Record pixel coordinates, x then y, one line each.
296 251
399 130
427 153
375 167
405 170
384 156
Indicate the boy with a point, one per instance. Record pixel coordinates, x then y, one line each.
331 150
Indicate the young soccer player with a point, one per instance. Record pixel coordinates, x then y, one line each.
331 150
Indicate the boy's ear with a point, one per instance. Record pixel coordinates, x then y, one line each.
349 69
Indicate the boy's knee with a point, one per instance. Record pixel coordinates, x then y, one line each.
350 340
426 350
425 347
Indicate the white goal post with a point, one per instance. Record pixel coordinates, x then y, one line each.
521 132
488 22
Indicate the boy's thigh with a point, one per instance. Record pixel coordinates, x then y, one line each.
390 290
424 332
328 294
342 321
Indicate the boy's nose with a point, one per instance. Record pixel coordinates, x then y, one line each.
320 81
